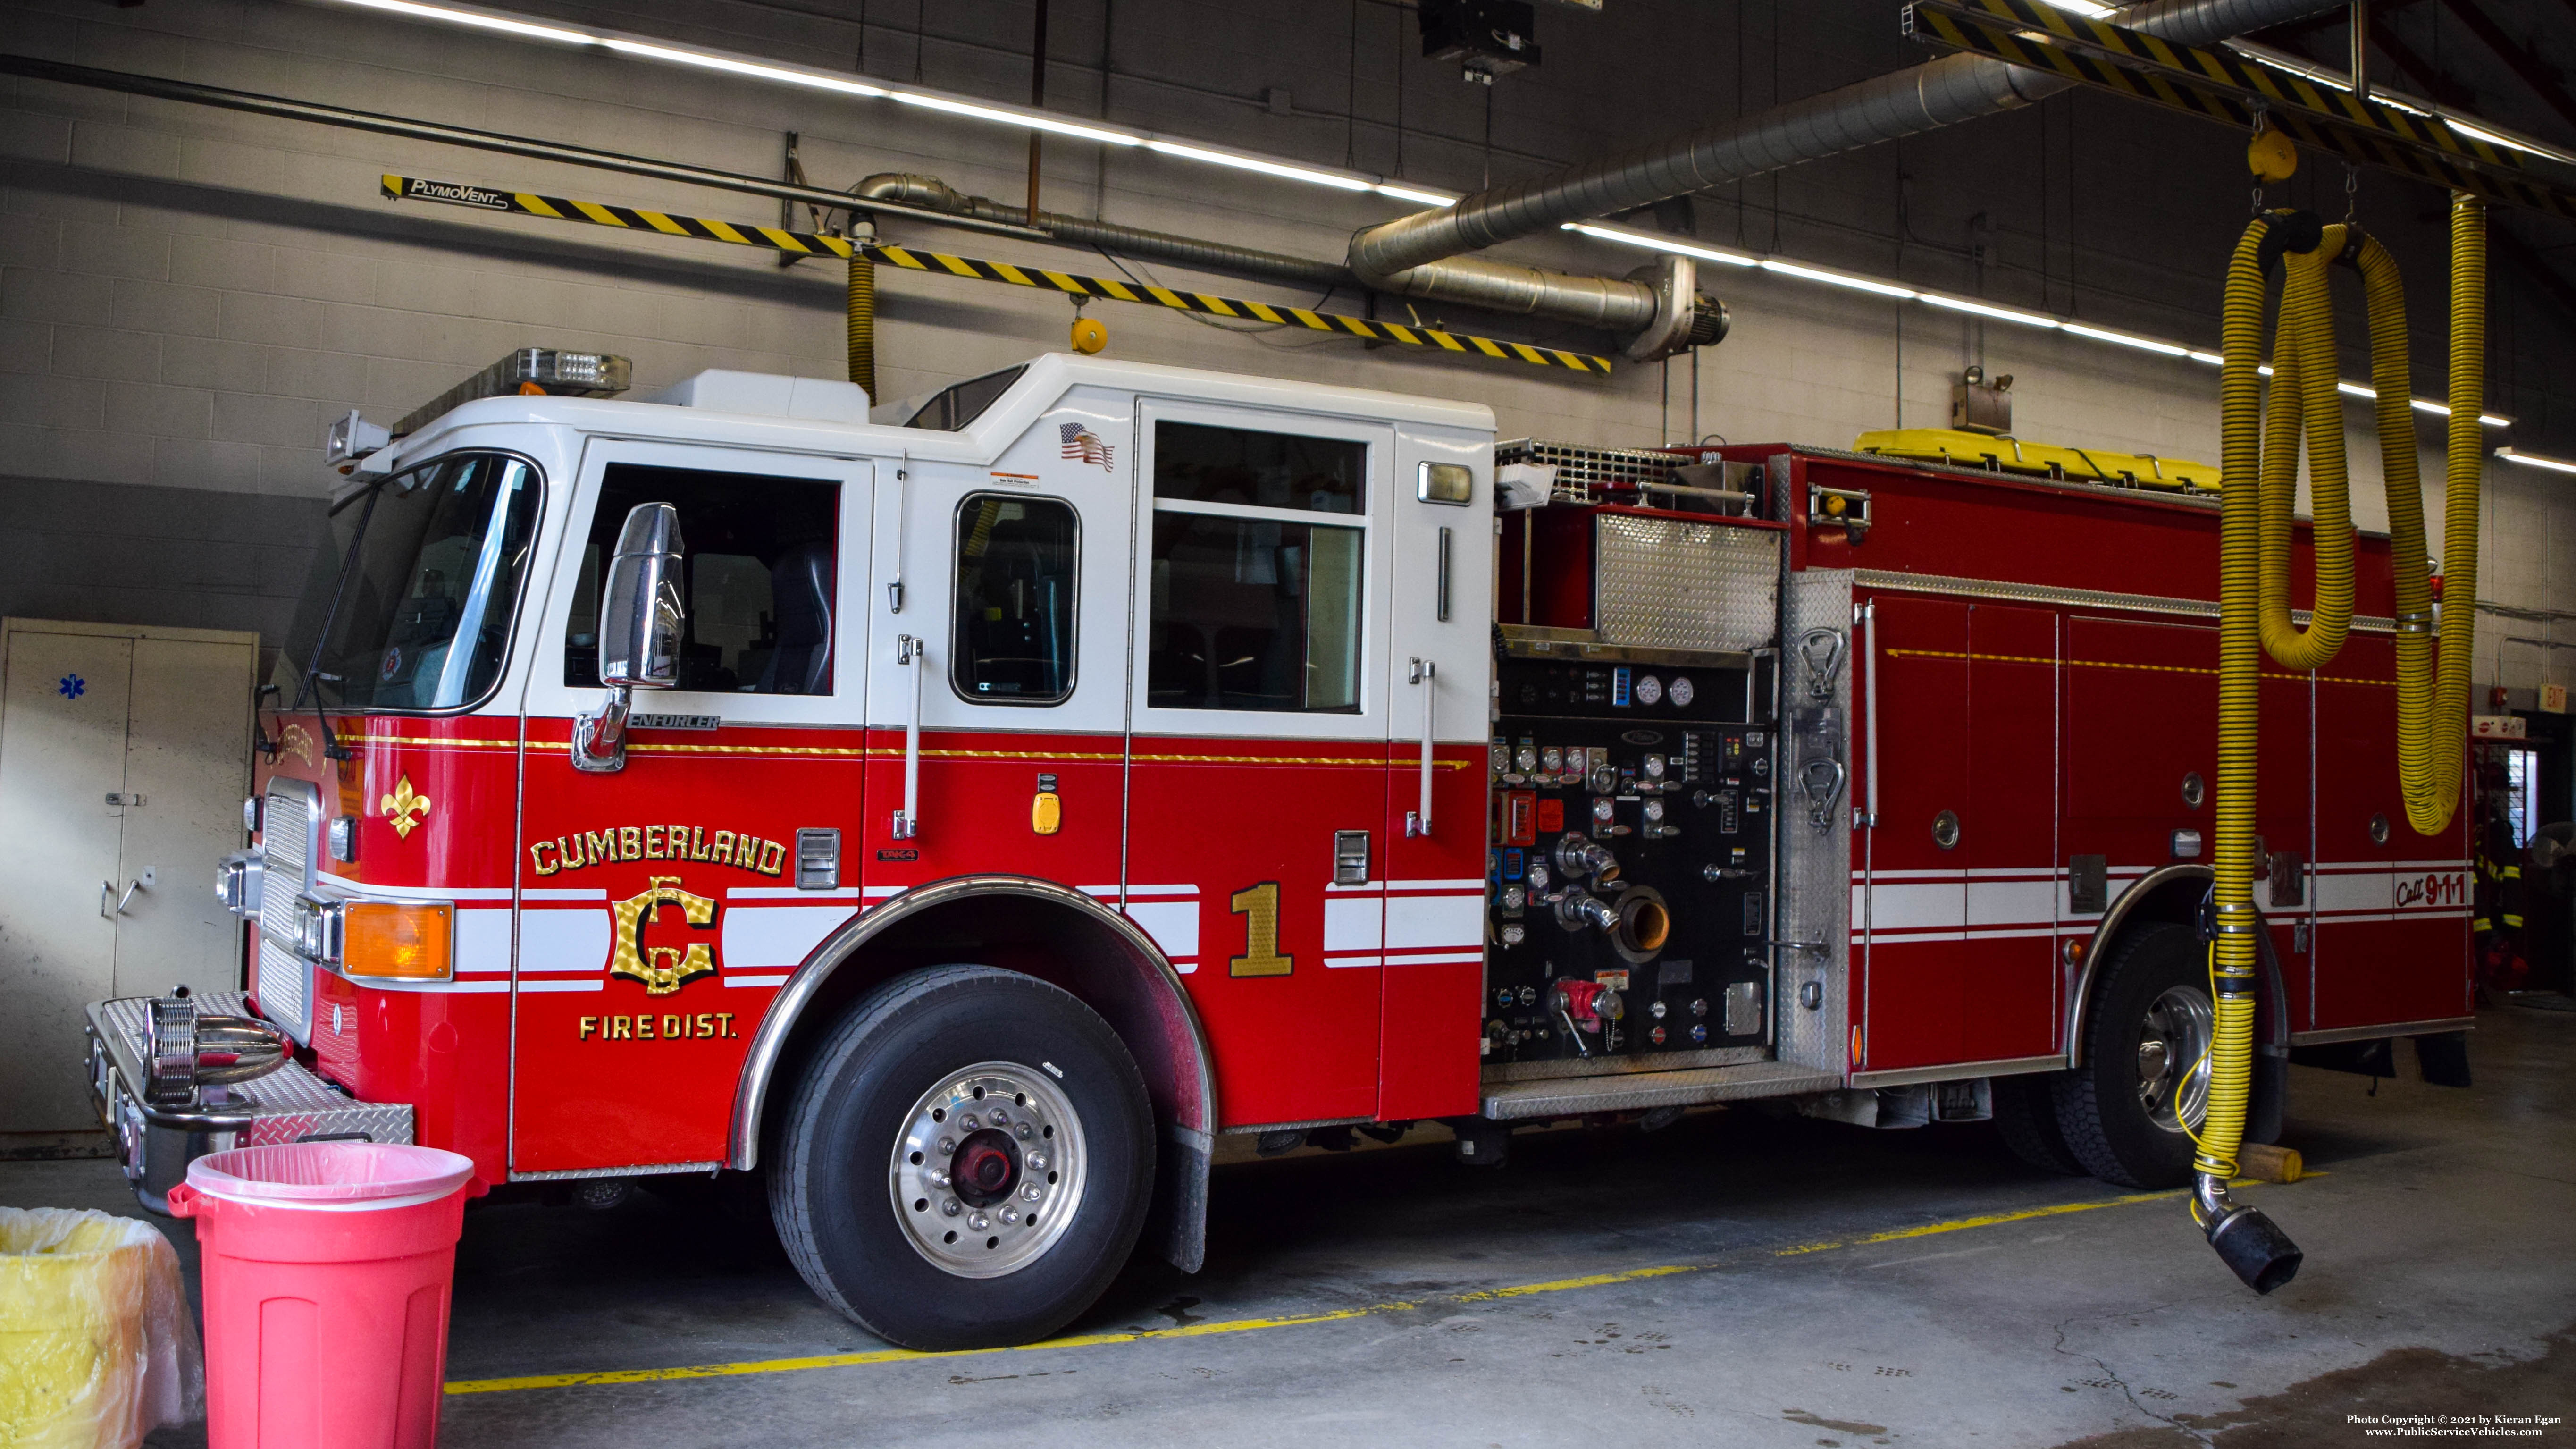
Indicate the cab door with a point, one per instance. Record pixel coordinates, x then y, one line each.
1257 767
664 903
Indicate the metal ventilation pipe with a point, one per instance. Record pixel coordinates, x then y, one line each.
1654 311
1923 98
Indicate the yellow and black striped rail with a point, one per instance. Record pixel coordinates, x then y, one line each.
2217 86
819 244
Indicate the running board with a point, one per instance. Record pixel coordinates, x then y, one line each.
1629 1091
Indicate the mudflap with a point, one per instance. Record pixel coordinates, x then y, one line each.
1177 1225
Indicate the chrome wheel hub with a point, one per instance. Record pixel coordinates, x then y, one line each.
2173 1058
988 1171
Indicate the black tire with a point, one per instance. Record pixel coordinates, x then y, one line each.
2026 1118
2106 1126
859 1105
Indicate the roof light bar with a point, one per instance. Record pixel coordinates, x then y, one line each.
2535 460
752 68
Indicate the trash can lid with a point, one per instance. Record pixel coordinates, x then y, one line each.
328 1174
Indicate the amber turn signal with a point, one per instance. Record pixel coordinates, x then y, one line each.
411 941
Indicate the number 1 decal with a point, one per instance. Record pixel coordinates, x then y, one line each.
1259 907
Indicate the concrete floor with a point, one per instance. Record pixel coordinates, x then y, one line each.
1834 1292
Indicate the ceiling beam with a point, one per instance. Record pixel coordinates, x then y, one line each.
2542 80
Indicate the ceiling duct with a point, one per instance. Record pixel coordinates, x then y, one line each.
1922 98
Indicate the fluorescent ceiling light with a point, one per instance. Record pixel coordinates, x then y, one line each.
2510 143
2534 460
1413 193
1982 309
2085 8
1652 242
480 20
730 66
1266 168
2125 339
1035 121
2212 358
1836 279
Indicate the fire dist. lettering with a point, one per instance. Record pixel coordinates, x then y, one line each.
619 843
664 1026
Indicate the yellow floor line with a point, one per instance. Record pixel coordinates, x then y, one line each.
1248 1325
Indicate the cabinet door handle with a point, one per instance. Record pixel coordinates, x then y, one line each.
1422 672
914 653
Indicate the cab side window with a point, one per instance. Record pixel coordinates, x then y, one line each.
1260 546
759 581
1015 595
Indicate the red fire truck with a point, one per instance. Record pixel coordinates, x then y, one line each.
962 820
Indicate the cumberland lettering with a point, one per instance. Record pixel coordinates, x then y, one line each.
657 842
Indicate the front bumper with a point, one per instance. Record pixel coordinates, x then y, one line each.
156 1143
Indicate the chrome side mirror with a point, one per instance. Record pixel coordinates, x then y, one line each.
641 624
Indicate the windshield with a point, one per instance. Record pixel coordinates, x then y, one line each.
414 592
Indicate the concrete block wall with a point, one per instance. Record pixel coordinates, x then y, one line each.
188 296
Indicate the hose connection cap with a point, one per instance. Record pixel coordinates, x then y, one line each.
2255 1248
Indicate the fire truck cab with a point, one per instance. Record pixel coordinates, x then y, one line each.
963 818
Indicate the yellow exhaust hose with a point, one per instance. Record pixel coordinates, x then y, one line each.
2304 374
2259 462
863 325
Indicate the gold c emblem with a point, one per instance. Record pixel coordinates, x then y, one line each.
669 966
296 740
404 807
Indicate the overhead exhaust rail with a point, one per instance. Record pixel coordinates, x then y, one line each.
2241 94
1923 98
1071 284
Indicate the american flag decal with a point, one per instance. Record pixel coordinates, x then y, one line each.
1084 444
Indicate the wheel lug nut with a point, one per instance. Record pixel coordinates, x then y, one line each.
1032 1192
968 1122
1010 1215
979 1222
1001 1118
1037 1162
938 1178
950 1208
1025 1134
947 1145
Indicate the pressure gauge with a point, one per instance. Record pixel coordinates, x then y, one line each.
1499 759
1654 767
1514 898
1654 812
1537 876
1604 809
1526 759
1552 759
1650 690
1514 935
1682 691
1575 758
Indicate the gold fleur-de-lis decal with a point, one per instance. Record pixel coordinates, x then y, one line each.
405 807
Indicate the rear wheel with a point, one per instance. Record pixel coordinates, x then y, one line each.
2026 1118
2128 1112
967 1161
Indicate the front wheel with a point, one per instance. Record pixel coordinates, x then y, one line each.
967 1161
2128 1113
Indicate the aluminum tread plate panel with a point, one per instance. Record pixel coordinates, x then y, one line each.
1672 583
287 1105
1630 1091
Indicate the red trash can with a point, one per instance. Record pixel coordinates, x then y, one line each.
327 1267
